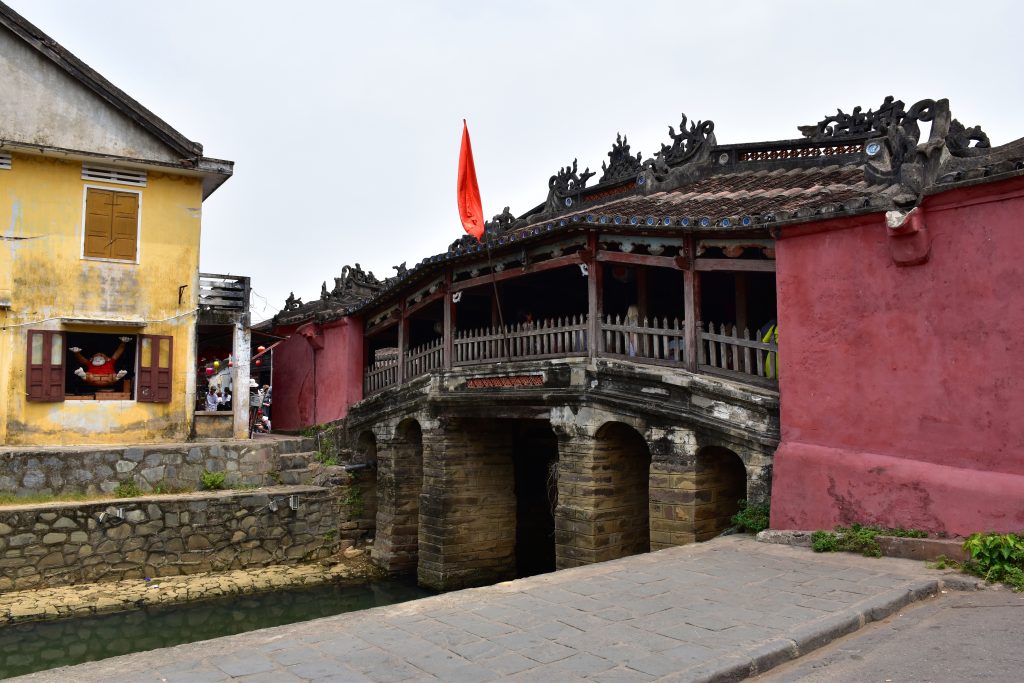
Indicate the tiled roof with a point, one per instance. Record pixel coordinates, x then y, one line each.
848 165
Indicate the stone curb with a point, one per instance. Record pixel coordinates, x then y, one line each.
808 637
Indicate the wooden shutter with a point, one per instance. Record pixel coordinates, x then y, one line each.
125 227
111 224
156 358
44 370
99 222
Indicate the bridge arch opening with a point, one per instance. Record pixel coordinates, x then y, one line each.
721 482
535 472
622 464
364 486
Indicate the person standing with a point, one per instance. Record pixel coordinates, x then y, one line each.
267 389
255 404
211 398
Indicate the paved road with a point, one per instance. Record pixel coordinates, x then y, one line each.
722 610
957 636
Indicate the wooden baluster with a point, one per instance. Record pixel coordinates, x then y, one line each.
712 347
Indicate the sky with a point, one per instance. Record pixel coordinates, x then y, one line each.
344 118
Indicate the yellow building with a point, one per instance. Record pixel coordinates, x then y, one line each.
100 208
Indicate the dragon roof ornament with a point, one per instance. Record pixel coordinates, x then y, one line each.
622 164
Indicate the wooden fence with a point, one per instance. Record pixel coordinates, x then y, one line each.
553 338
722 349
424 358
380 375
660 342
731 351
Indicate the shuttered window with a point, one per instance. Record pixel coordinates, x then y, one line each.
111 224
45 368
154 377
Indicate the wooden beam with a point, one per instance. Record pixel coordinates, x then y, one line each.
746 265
560 262
638 259
426 301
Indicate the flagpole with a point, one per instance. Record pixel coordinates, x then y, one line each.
472 215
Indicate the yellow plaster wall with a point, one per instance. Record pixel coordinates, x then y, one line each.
41 223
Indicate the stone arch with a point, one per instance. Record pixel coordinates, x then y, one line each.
622 463
720 482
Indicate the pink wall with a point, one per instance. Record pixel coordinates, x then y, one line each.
317 373
901 386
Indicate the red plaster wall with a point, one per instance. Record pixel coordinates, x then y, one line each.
901 387
305 395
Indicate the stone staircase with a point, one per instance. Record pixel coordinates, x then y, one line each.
300 465
298 468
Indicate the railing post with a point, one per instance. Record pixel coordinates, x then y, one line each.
691 304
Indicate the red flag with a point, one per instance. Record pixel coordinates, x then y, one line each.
470 209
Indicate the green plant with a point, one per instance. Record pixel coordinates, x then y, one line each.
329 535
127 489
943 562
326 459
996 557
212 481
752 518
858 539
354 500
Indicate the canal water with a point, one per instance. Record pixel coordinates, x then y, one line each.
25 648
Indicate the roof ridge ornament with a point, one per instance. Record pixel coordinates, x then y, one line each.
857 122
895 155
623 164
679 162
565 187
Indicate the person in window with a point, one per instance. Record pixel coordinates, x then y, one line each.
226 404
211 398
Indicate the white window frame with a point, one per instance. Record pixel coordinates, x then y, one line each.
138 227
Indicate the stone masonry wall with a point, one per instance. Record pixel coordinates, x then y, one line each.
56 544
468 506
79 469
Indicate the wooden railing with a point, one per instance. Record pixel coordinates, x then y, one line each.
223 292
553 338
424 358
660 342
380 375
722 349
730 351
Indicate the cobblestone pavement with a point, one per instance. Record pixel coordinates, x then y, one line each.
721 610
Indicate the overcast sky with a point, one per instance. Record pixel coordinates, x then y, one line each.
344 118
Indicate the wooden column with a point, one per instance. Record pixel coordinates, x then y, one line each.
641 291
449 322
403 340
691 306
595 295
741 301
